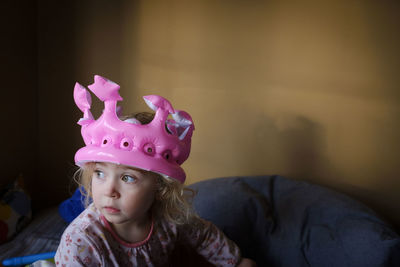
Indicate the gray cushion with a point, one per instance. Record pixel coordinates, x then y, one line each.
281 222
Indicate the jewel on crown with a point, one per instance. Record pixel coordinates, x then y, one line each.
160 146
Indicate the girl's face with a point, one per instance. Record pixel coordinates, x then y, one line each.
123 194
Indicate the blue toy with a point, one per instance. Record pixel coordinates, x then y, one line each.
28 259
70 208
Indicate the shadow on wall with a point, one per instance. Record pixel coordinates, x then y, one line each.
297 145
69 51
303 144
289 145
19 85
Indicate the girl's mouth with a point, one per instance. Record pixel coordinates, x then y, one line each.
111 210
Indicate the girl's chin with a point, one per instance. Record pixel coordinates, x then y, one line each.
113 219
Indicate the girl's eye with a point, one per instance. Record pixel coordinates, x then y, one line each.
99 174
128 179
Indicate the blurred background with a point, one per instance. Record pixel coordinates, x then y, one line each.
305 89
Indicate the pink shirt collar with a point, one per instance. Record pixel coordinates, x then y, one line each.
122 242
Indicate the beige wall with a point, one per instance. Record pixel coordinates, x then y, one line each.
309 90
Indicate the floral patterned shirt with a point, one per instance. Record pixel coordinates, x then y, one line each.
90 241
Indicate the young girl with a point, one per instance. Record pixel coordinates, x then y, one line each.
130 168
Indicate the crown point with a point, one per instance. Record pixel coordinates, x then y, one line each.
155 102
182 118
82 97
105 89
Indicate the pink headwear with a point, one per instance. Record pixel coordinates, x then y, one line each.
149 147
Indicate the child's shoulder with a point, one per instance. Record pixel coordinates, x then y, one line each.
194 225
90 214
82 236
87 222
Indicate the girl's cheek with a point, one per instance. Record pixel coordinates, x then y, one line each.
95 191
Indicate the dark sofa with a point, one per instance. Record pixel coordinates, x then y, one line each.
281 222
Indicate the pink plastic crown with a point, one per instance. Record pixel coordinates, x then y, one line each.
160 146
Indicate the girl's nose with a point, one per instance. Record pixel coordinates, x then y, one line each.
111 189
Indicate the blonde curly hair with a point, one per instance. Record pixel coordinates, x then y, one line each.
173 201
